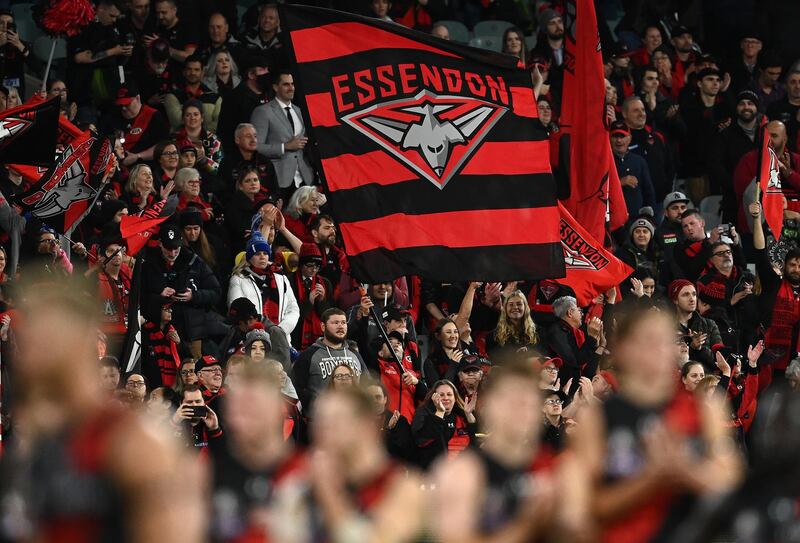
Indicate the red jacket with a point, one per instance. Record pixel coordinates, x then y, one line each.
746 171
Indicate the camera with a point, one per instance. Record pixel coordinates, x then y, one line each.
199 411
129 40
725 229
11 27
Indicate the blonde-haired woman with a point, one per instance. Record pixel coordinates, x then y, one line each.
302 209
140 189
515 330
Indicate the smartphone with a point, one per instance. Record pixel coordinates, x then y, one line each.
11 27
199 411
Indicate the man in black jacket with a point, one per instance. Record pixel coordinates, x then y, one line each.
732 144
240 103
700 333
174 273
579 352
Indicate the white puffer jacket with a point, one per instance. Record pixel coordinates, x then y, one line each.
243 285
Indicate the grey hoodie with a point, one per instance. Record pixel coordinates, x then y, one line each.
312 371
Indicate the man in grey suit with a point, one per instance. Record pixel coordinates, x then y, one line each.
281 136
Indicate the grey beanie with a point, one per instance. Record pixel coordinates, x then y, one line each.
257 334
642 222
546 16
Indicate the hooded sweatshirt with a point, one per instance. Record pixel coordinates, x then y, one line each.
313 370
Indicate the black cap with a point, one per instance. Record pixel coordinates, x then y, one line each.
127 93
206 362
547 393
256 60
241 309
398 335
470 361
170 236
394 313
680 31
619 50
159 50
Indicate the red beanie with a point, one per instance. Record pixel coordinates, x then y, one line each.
309 252
676 286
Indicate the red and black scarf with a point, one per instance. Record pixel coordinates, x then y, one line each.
311 323
781 332
270 299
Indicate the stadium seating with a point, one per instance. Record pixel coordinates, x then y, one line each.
458 32
493 43
493 29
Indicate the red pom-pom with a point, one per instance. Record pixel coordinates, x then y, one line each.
67 17
257 326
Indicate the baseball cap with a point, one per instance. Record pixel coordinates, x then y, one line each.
398 335
126 94
470 362
159 50
394 313
620 50
556 362
206 362
620 128
170 236
674 198
680 31
257 60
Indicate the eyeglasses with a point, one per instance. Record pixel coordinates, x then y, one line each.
169 153
553 402
724 253
213 370
343 377
134 384
187 372
551 369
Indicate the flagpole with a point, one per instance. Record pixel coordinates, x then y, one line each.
49 64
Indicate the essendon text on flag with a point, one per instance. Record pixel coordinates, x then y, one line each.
575 244
364 87
432 162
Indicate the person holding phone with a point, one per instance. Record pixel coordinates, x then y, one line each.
173 273
194 421
13 54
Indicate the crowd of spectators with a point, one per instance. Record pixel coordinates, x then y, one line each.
201 104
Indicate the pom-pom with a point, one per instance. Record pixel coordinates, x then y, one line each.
63 17
257 326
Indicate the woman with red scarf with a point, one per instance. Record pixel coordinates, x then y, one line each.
270 292
314 295
302 210
187 183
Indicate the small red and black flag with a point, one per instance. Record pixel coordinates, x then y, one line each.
431 158
28 133
138 229
769 182
591 269
65 194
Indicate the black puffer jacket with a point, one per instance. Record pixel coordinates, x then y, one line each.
188 272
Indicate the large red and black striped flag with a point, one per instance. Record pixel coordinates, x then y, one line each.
432 161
